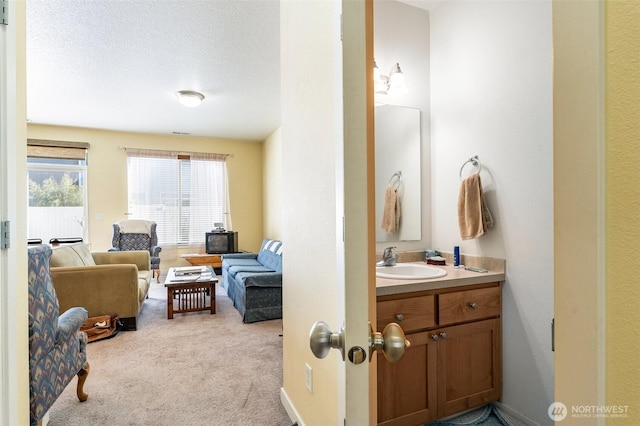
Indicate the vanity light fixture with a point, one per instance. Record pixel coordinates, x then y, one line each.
189 98
392 85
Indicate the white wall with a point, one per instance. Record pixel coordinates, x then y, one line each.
491 83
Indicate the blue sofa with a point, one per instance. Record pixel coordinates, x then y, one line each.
253 281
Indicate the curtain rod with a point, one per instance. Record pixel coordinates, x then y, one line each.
174 151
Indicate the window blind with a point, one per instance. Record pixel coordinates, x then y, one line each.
184 193
41 148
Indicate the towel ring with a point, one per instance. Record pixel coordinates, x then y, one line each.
398 177
474 162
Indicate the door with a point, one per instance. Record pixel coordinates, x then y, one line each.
327 173
359 206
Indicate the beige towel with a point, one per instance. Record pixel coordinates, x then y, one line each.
391 211
474 217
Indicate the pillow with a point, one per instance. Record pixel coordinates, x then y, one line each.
72 255
65 256
84 253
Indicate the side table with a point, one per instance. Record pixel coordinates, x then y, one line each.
213 260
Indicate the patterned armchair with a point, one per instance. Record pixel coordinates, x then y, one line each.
57 347
138 235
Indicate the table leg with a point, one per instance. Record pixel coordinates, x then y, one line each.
212 299
169 303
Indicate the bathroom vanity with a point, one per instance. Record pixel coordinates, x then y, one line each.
454 362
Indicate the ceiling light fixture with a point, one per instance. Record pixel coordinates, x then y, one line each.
393 84
189 98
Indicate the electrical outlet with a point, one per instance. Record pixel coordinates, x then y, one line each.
309 377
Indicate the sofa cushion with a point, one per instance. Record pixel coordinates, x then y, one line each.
229 263
271 254
259 279
233 270
72 255
143 286
144 281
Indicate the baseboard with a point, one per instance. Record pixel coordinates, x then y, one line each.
512 413
289 408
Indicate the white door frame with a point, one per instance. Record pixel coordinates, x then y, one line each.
13 385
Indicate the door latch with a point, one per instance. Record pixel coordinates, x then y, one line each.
5 234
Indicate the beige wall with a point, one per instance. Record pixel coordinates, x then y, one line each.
622 203
272 185
596 144
107 178
311 132
578 234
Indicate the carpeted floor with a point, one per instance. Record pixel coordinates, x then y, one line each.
194 370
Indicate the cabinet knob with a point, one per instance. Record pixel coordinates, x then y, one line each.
473 305
443 335
399 317
435 337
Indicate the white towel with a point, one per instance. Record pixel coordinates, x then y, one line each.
135 226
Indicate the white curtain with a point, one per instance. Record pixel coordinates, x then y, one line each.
209 195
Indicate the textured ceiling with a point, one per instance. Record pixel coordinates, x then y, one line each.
116 64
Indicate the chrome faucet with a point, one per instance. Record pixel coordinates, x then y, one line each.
389 258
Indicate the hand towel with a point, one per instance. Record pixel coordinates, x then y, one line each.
391 211
474 217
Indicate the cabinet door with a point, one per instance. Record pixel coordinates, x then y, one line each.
469 366
407 389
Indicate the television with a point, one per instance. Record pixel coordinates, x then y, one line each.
221 242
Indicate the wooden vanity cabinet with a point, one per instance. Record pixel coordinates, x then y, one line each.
454 362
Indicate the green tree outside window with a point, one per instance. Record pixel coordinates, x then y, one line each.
52 193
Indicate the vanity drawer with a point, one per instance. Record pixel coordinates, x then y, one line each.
413 313
468 305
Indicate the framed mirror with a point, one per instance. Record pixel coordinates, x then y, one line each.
398 164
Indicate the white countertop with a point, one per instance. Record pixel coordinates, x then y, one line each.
455 277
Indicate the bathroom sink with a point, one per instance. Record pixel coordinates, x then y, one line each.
409 271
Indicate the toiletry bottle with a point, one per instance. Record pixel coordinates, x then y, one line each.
456 256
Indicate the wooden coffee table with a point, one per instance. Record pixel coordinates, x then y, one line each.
189 289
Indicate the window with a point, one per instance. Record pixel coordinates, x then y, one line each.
185 194
57 176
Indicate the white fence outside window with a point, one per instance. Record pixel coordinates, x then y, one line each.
56 222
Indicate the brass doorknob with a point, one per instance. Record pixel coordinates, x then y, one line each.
391 341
